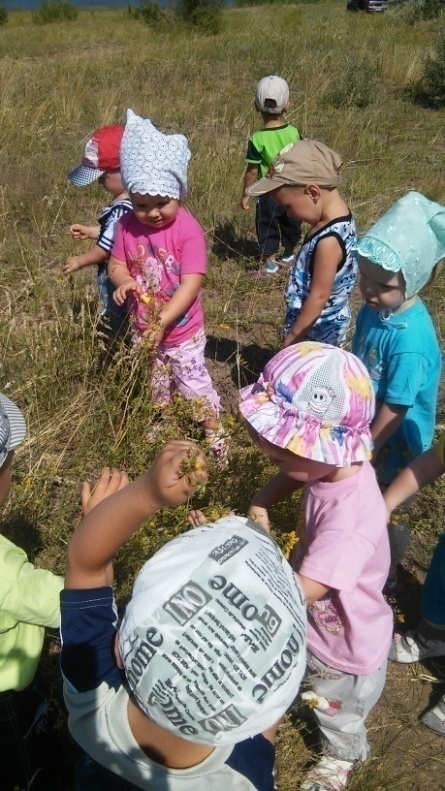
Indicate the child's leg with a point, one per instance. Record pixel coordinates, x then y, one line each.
290 230
342 704
192 379
115 314
428 640
268 233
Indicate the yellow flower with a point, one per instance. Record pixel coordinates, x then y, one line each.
224 326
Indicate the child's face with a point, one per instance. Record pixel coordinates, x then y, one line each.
295 467
301 203
154 210
111 181
381 290
5 477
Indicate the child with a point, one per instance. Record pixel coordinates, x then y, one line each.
303 180
395 338
310 413
29 601
209 654
428 640
101 162
272 223
157 266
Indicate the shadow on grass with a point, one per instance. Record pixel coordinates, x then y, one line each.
22 530
251 362
228 244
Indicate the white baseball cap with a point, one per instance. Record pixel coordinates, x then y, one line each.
271 95
213 641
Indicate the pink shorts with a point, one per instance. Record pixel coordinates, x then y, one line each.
182 368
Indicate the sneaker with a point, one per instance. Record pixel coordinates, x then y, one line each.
435 718
413 647
268 270
218 445
154 431
329 774
287 259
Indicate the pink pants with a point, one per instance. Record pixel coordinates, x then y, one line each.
182 368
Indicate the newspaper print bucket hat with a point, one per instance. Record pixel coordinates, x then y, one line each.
409 238
12 427
101 154
153 163
315 400
213 640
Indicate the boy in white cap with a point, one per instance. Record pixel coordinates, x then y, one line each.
157 266
29 601
273 226
209 654
101 163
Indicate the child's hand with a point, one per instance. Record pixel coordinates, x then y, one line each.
197 518
175 473
72 264
121 293
290 339
110 481
244 202
79 232
259 515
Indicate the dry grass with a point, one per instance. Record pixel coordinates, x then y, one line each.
87 404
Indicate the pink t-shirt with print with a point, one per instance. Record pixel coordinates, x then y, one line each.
346 549
156 258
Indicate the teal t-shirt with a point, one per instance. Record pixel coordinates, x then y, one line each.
267 143
403 359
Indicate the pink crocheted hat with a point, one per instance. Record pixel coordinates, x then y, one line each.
315 400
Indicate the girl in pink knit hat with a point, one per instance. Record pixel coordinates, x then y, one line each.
310 412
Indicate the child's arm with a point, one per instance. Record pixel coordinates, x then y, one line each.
108 526
82 232
388 420
424 469
121 279
250 176
312 590
94 256
279 487
328 256
184 296
27 594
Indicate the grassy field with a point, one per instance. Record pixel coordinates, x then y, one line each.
87 404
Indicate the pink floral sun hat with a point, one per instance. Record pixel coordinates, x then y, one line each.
315 400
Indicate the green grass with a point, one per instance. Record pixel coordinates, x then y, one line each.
87 405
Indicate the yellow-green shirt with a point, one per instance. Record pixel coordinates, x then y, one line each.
29 601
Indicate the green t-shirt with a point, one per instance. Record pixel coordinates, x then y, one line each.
267 143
